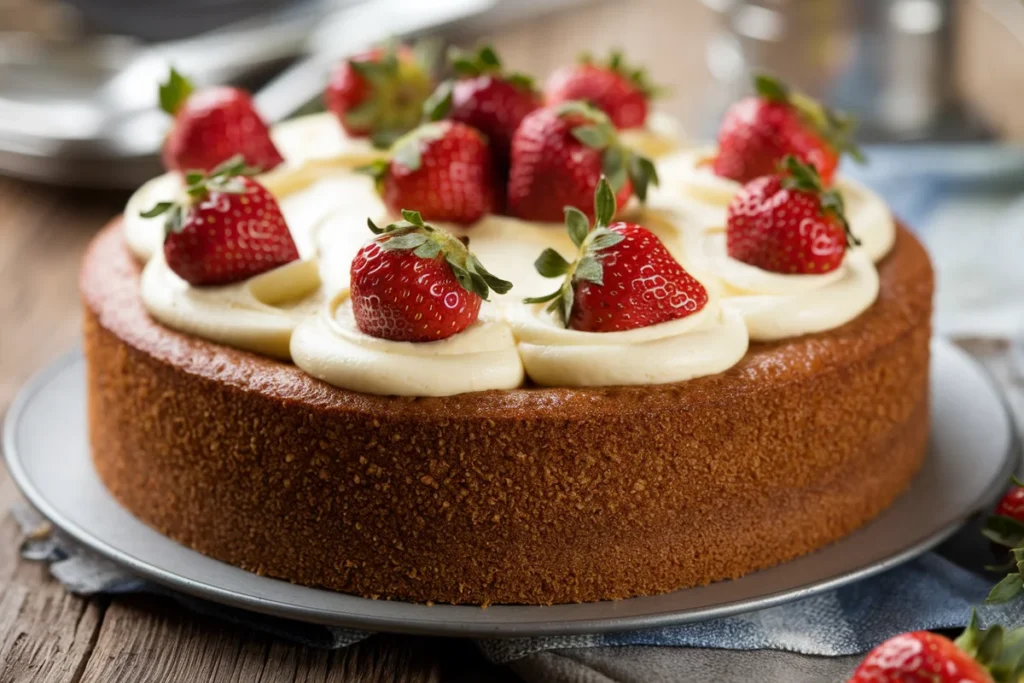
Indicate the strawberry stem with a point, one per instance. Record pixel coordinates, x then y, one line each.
804 178
427 242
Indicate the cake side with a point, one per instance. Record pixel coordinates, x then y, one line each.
523 496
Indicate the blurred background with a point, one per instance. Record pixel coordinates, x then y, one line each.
935 83
77 77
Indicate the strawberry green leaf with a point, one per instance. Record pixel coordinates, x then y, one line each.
376 169
602 238
542 299
642 173
174 92
613 165
520 80
161 207
1004 531
439 103
373 227
1010 587
565 302
577 223
589 269
428 250
804 178
493 281
604 203
593 136
409 240
488 57
770 88
413 217
551 264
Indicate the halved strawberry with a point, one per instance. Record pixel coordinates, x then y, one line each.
484 97
229 229
990 655
379 93
759 131
788 223
623 277
559 154
619 90
211 126
417 283
444 169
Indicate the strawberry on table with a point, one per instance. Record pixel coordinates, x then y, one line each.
758 131
559 154
211 126
621 91
485 97
417 283
1005 529
444 169
977 656
379 93
788 222
229 229
623 277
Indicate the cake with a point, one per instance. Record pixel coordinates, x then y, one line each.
539 467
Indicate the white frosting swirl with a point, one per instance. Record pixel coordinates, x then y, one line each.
661 135
258 314
688 180
330 346
705 343
778 306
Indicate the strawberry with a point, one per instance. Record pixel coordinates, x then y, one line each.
229 229
757 132
379 93
211 126
484 97
558 155
444 169
788 223
613 87
623 277
977 656
417 283
1005 529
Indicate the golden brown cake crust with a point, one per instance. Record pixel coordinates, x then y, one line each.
536 495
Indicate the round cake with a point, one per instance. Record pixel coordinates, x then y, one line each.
532 493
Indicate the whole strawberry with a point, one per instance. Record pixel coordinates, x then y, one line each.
484 97
1005 529
978 656
211 126
379 93
620 91
416 283
229 229
623 277
788 223
559 154
757 132
444 169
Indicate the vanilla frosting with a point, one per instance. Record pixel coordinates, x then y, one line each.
257 314
330 346
661 135
707 342
282 313
688 180
778 306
